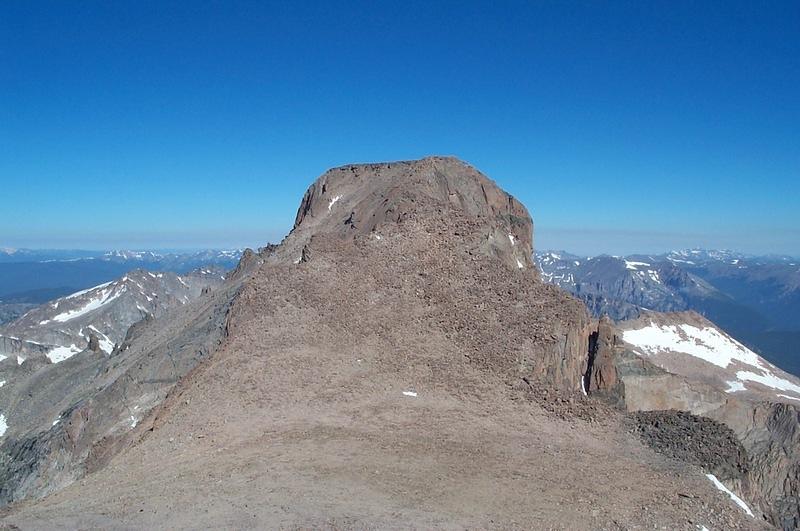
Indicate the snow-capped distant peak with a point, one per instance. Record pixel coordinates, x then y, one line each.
133 255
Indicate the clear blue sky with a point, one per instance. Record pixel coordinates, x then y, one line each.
623 126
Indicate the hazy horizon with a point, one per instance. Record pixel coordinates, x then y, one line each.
623 127
546 243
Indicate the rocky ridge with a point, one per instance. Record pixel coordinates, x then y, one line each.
62 359
100 316
379 366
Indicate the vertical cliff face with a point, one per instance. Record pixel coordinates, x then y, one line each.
771 434
360 199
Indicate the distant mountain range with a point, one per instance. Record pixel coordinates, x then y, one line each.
98 318
9 255
755 298
32 277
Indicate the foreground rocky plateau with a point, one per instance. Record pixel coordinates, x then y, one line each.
395 362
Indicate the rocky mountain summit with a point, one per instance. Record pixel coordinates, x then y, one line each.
395 362
363 199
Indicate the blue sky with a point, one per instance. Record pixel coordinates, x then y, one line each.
623 126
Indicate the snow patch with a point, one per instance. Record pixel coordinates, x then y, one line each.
106 345
520 265
770 380
634 265
81 292
3 425
2 383
62 353
104 298
706 343
333 202
734 386
410 393
717 483
778 394
182 282
20 360
512 239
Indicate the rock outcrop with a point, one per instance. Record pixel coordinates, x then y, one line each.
601 374
770 431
